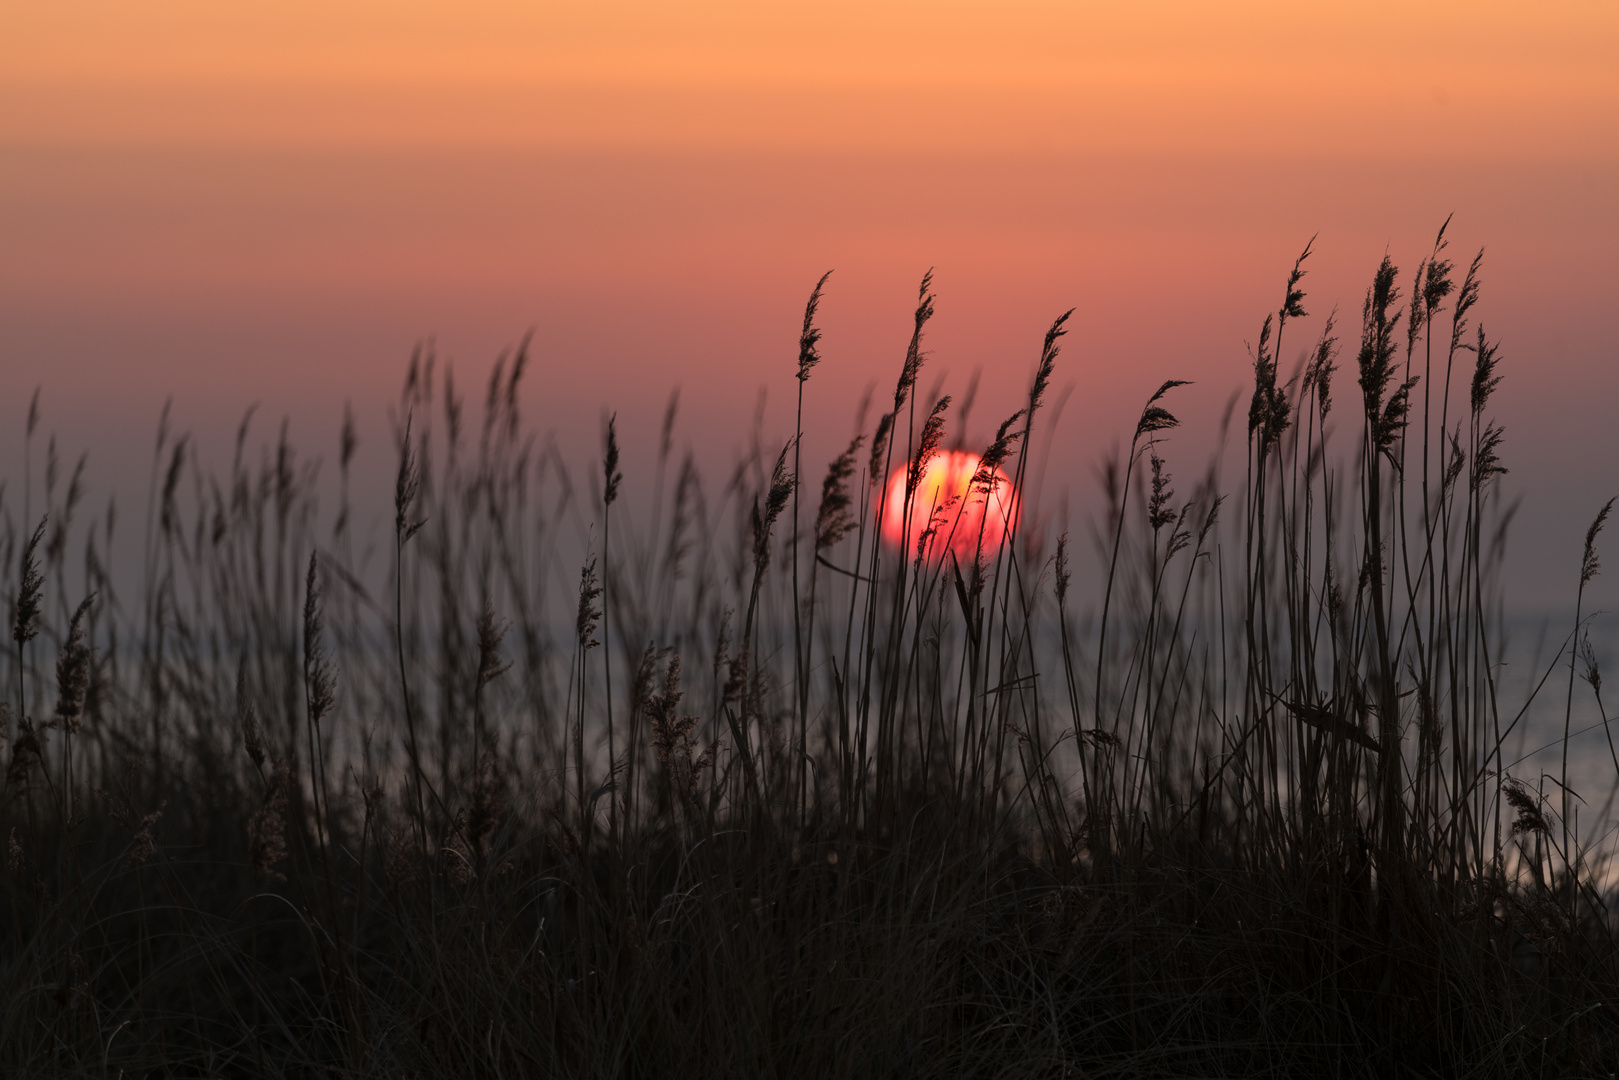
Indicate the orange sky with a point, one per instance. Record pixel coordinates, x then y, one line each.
272 202
1221 79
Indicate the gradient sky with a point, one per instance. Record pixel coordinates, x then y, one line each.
237 203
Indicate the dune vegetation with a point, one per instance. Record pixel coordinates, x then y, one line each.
1217 789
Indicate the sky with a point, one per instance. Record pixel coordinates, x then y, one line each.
263 203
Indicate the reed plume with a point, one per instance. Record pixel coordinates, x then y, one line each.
913 352
833 520
73 671
927 446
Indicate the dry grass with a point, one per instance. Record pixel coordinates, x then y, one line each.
789 801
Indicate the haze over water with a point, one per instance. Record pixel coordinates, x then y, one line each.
273 205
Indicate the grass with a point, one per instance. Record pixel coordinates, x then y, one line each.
783 799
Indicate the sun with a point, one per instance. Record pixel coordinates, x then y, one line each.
966 518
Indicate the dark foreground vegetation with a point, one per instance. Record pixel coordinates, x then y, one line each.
753 793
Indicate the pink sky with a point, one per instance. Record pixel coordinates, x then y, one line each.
230 205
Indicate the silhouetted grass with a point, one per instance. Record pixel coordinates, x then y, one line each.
749 791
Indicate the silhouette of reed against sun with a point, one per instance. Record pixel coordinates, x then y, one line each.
956 503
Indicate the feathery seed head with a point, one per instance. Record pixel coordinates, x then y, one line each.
913 352
670 729
1590 671
928 446
1318 373
589 614
406 487
1393 420
1293 300
1263 351
1436 285
671 684
1436 282
1465 299
810 336
782 483
1155 417
937 520
1269 410
1385 419
1378 322
1158 512
987 475
73 671
1048 359
25 622
1485 380
1179 538
833 521
1418 315
736 680
781 488
672 736
1168 385
610 462
1529 819
1589 564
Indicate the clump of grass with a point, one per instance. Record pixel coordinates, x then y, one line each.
1251 810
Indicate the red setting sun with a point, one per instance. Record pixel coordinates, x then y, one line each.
964 514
